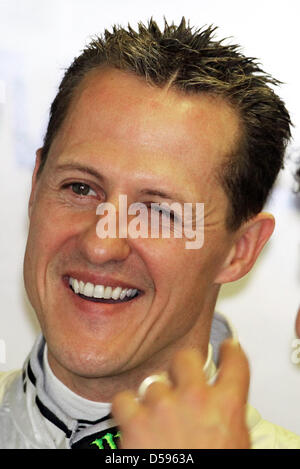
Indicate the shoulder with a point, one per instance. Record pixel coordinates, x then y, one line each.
267 435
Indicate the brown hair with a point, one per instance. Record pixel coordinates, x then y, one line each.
192 61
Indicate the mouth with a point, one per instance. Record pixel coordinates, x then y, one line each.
102 293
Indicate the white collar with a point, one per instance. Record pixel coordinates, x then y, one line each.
72 404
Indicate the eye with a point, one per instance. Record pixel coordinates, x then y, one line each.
163 211
80 188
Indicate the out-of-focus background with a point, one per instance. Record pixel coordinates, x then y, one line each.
38 40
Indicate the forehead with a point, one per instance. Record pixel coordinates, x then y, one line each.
118 115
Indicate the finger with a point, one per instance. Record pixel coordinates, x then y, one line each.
234 371
124 407
157 392
187 368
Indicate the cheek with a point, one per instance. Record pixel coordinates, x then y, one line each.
183 278
51 231
163 257
53 222
47 232
173 268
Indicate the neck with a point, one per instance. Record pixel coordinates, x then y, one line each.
102 389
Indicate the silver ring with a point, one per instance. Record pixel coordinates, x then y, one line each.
161 378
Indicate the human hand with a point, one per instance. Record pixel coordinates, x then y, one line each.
189 413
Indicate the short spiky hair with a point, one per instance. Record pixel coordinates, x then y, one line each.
192 61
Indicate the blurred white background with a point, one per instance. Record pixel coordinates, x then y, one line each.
38 40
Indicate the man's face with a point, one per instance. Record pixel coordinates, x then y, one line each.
124 137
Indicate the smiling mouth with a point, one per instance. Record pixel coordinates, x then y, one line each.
101 293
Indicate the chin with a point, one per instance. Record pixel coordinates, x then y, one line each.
83 361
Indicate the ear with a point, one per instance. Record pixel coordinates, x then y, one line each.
34 180
250 240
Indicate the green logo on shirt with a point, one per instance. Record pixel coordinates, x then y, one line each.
109 438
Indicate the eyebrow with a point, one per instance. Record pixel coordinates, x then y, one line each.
79 167
164 195
147 191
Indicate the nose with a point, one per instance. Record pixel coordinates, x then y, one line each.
99 250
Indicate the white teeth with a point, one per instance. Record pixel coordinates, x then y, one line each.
107 293
116 293
123 294
88 289
75 285
131 292
100 291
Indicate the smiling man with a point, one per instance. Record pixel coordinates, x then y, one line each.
155 116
